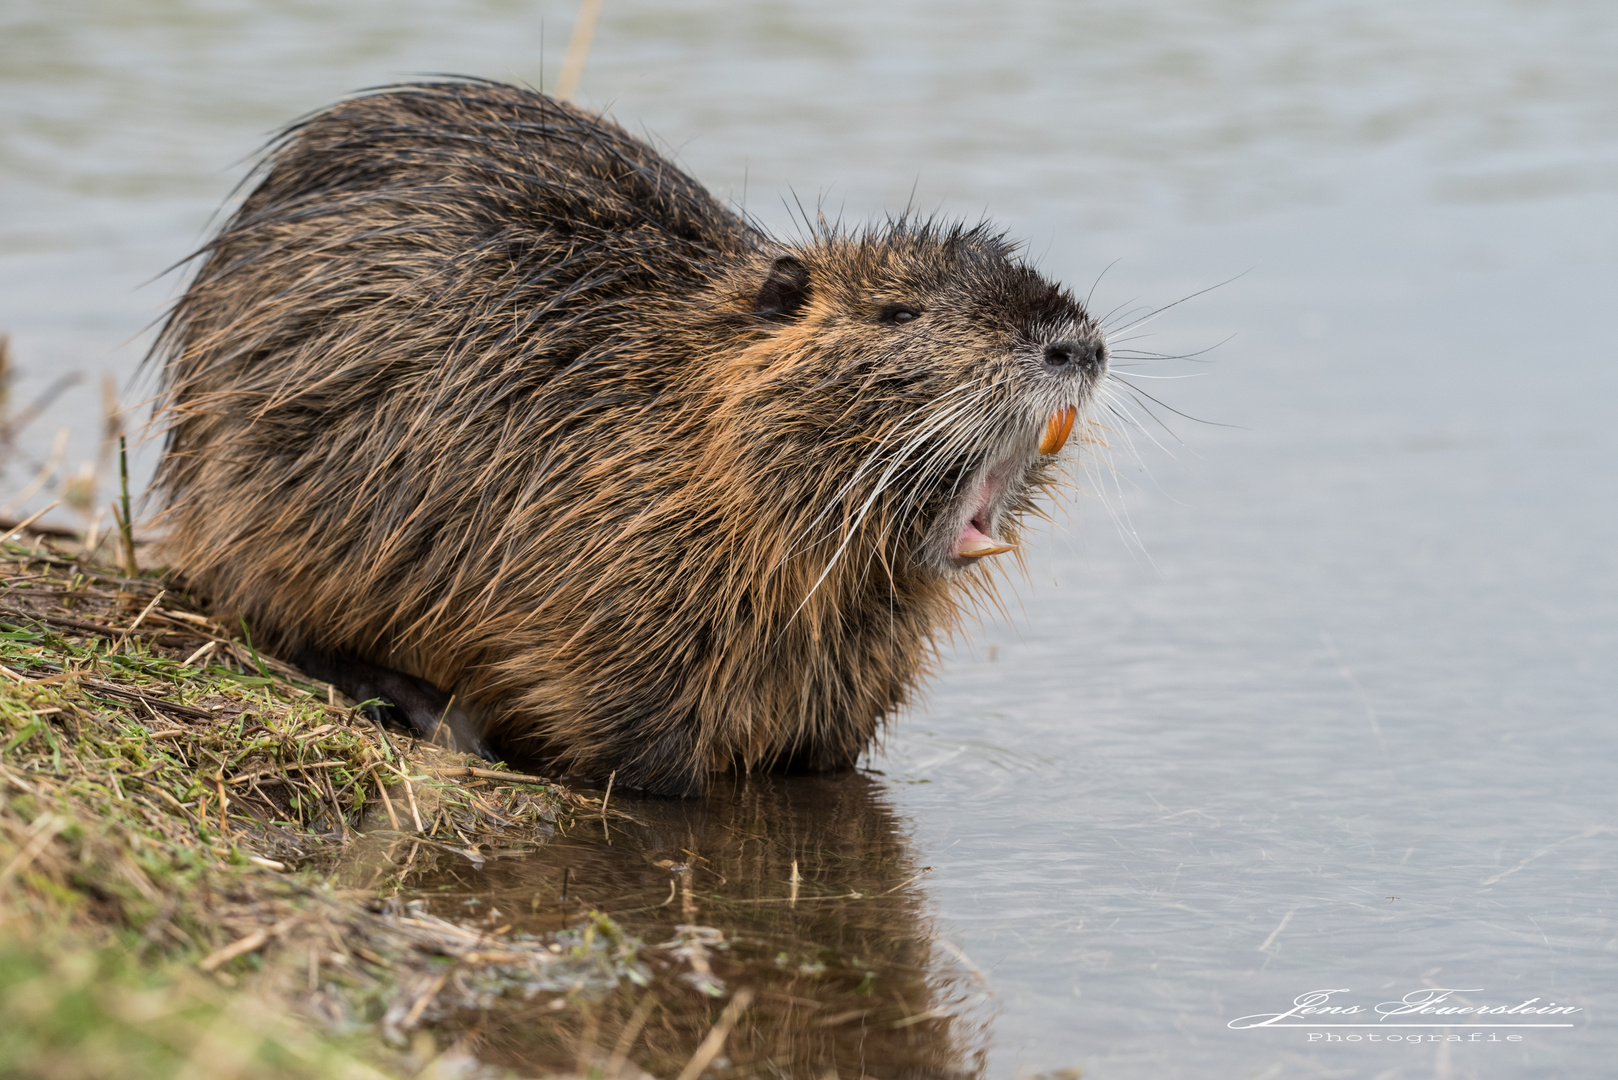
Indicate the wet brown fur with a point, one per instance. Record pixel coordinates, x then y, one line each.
478 387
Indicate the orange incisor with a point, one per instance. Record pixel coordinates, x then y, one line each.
1057 429
978 549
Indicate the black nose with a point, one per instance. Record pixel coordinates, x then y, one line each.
1079 355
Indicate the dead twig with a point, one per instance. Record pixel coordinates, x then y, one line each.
710 1046
147 610
214 960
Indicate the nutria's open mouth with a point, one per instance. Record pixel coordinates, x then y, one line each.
994 487
981 507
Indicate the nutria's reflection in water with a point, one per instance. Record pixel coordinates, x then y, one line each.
848 979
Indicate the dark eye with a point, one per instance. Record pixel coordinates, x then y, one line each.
893 316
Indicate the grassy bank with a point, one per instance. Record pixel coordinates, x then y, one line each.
202 854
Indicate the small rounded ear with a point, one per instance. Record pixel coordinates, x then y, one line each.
785 291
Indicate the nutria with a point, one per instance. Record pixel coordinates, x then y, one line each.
477 388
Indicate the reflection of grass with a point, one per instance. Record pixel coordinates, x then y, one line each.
180 815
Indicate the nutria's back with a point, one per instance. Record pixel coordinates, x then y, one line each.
477 387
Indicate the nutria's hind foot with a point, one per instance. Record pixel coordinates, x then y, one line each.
815 762
398 700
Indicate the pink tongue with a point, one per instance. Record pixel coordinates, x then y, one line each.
974 543
970 533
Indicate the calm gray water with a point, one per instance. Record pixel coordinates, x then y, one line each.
1320 699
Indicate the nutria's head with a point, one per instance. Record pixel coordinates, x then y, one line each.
919 381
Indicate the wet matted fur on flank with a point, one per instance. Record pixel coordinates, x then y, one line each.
478 388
